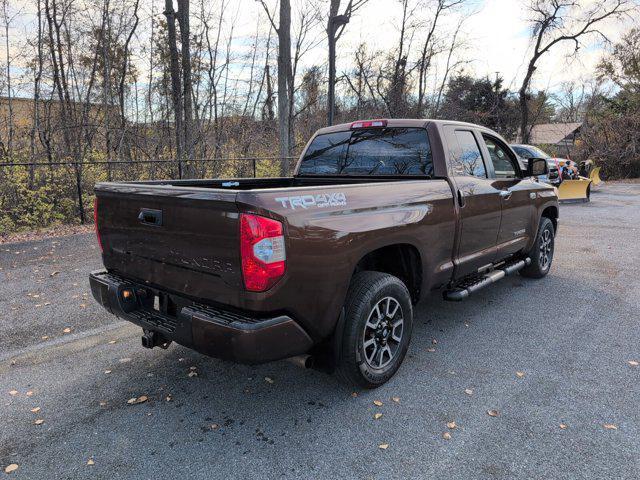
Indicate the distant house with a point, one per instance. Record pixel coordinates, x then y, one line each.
22 110
563 135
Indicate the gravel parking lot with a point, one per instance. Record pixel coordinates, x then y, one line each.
556 359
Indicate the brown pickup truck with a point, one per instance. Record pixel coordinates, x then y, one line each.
325 265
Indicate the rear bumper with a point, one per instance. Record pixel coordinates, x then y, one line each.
214 331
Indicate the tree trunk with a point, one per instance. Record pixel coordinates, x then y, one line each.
176 90
524 104
331 100
187 86
284 74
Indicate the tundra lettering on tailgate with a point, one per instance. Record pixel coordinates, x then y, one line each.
322 200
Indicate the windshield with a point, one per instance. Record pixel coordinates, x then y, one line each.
379 151
529 151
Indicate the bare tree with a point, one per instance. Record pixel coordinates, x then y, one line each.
7 20
285 79
430 49
559 21
335 28
187 85
176 82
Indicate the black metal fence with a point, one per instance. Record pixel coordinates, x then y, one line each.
36 195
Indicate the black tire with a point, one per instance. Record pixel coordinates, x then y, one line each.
361 362
542 252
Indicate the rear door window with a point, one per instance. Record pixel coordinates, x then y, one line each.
385 151
466 158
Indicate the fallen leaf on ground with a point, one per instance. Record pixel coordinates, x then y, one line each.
377 415
111 342
195 374
396 399
451 425
66 330
11 468
124 360
610 426
468 391
90 462
377 403
446 436
214 426
383 446
136 400
13 393
83 305
107 371
268 379
30 393
434 341
168 398
47 303
563 426
354 394
493 413
35 410
633 363
102 404
44 337
519 374
39 421
53 274
192 368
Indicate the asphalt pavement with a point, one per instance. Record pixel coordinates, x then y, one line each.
555 360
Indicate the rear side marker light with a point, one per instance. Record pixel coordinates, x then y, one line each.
262 251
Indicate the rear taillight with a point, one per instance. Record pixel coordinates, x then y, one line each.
262 251
95 222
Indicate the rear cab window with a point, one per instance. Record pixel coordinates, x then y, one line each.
371 151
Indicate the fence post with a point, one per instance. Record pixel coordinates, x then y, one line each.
79 189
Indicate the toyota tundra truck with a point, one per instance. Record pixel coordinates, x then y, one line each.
326 265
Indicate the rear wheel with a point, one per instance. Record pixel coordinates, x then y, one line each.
378 323
542 252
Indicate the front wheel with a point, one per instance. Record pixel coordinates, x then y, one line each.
542 252
377 330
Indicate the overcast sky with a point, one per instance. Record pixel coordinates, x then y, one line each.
496 33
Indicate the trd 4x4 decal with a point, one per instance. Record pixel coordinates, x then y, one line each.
321 200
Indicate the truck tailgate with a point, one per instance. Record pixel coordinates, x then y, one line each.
184 239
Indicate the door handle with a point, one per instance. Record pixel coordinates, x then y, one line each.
506 194
150 217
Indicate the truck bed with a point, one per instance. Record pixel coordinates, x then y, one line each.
195 251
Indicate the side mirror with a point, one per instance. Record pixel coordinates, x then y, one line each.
537 167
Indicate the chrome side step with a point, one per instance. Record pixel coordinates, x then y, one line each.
467 287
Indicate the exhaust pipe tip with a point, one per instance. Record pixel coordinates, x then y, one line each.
302 361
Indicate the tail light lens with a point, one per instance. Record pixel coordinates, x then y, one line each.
95 222
262 251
